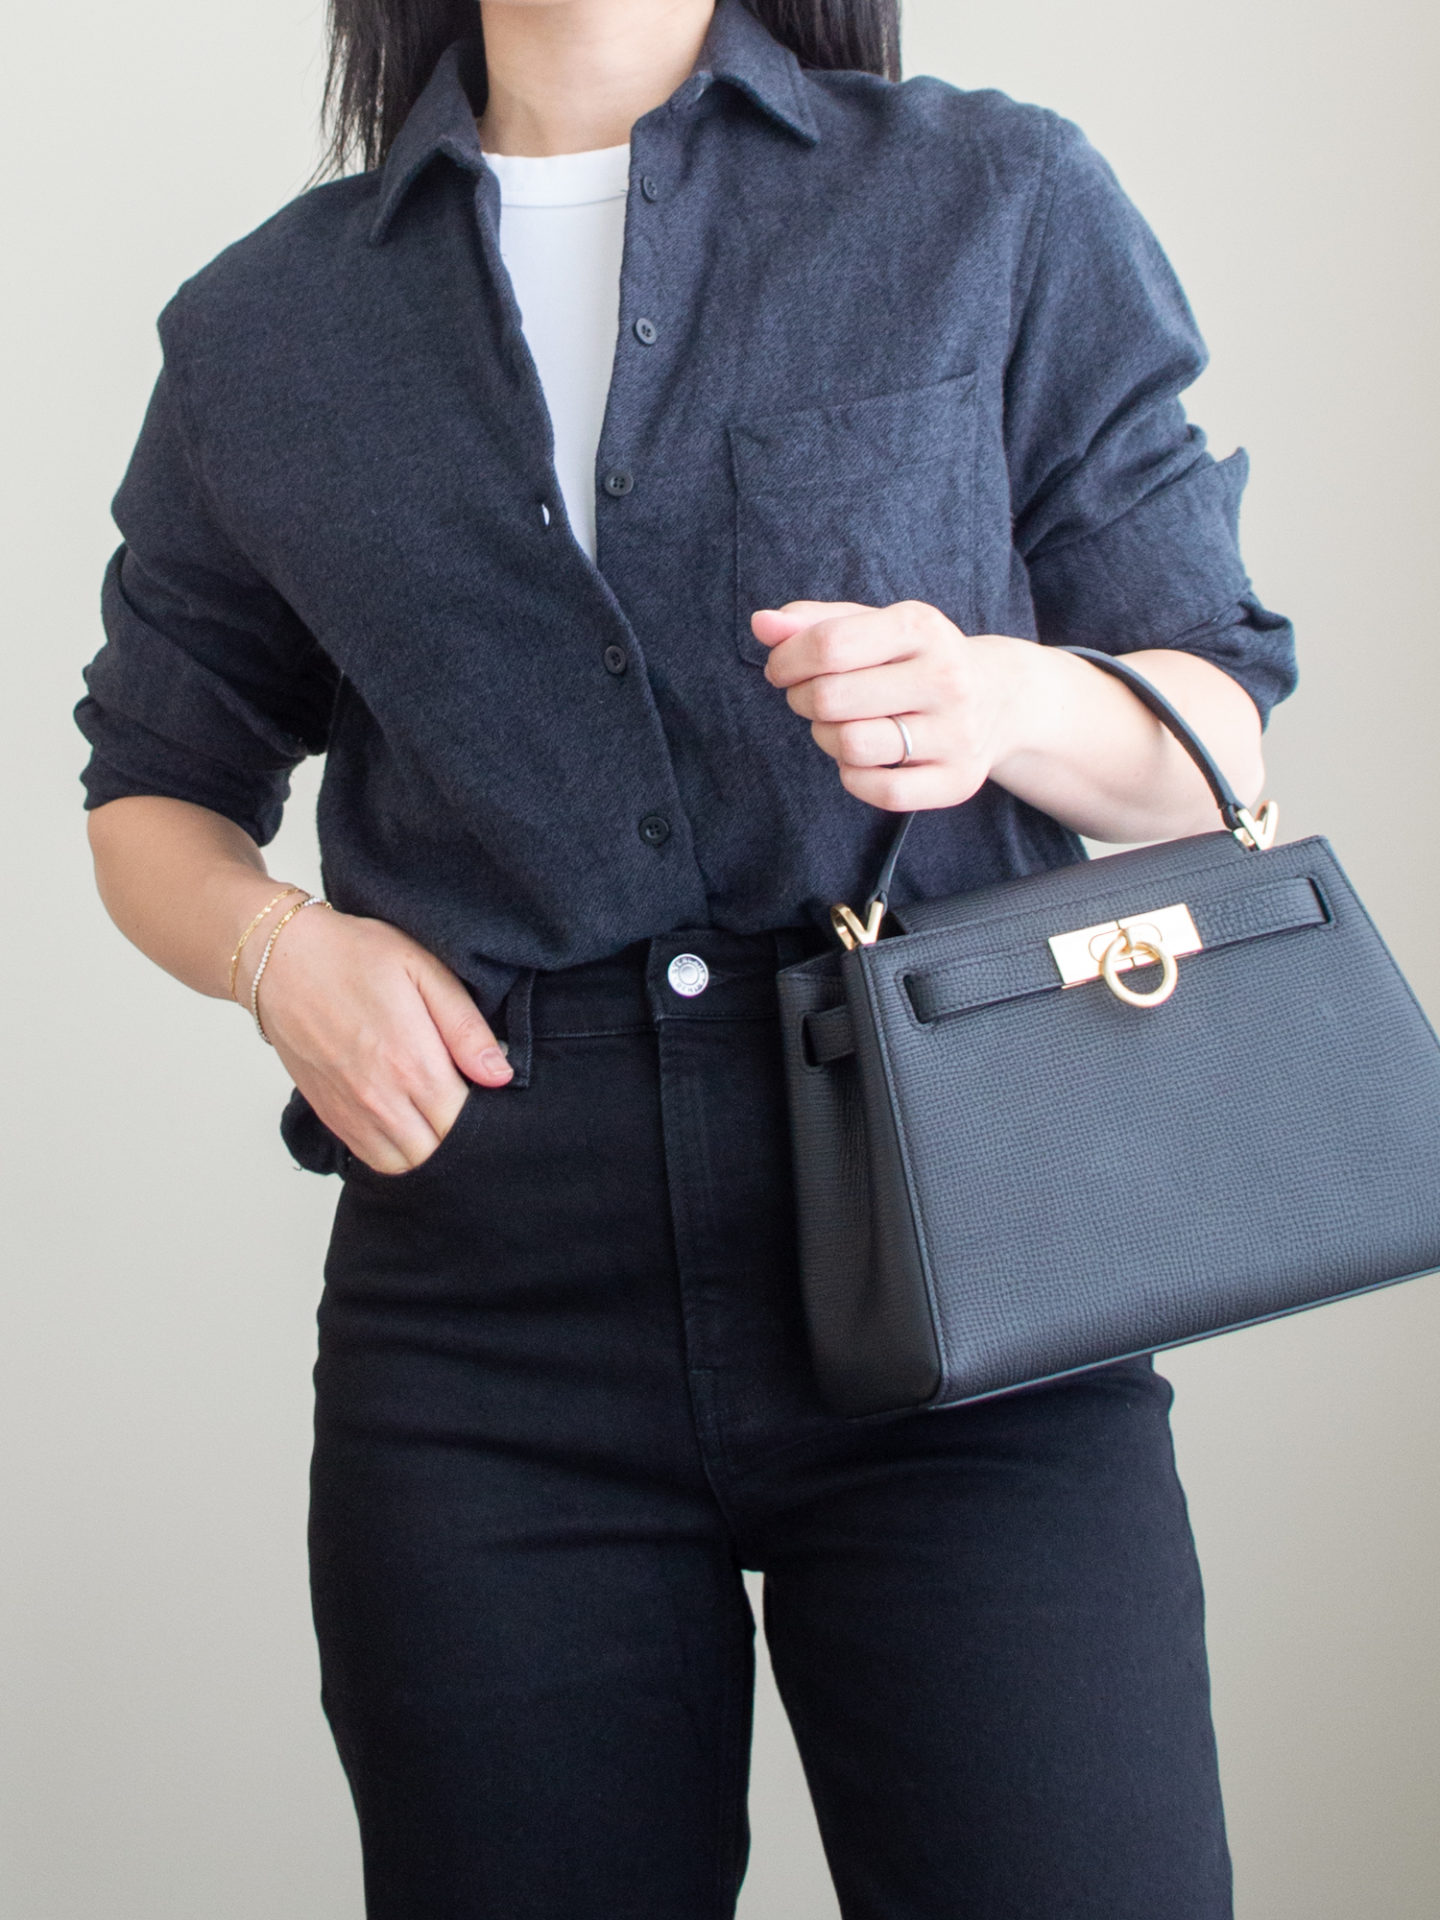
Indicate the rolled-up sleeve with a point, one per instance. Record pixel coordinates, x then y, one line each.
1127 527
208 688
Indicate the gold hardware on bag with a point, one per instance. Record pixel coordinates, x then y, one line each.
852 930
1256 831
1126 950
1114 946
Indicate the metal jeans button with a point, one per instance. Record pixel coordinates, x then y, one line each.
688 975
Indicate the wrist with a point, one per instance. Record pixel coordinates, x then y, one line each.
252 911
261 907
288 912
1023 700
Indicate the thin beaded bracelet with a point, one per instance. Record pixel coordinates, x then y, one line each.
311 900
240 943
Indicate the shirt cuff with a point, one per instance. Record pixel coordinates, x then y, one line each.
128 759
1169 574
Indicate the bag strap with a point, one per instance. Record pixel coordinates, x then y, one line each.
1254 833
1226 799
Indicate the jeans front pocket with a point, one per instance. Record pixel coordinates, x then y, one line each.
445 1150
869 500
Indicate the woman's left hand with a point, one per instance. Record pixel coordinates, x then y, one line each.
851 671
1035 720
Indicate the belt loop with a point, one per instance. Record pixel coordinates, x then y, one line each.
515 1018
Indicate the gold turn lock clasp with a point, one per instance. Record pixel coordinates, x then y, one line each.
1126 950
1113 947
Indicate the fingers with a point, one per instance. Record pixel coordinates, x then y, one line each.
874 743
392 1102
851 670
463 1027
809 637
770 625
908 789
416 1103
866 693
868 753
391 1135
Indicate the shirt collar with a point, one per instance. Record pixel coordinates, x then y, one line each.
737 49
740 50
442 121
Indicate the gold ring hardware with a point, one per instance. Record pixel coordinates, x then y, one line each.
1126 946
1257 831
852 930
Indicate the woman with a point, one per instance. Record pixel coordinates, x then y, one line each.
648 476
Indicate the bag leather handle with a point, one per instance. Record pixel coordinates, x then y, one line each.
1238 819
1226 798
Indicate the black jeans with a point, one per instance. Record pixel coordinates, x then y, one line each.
563 1400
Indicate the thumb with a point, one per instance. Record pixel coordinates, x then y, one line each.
771 625
463 1028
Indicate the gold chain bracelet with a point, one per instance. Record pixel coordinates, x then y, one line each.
240 943
311 900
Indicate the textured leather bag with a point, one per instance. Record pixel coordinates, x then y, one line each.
1102 1110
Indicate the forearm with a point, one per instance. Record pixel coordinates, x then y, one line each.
1079 746
182 883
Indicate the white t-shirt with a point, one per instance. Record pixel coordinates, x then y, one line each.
562 233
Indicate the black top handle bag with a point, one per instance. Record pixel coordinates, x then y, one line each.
1102 1110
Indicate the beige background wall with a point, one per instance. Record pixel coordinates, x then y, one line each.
163 1756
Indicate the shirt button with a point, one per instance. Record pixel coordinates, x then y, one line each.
650 187
688 975
544 513
619 483
646 332
654 829
616 659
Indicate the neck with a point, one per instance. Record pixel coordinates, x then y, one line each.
567 76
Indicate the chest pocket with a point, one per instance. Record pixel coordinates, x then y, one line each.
871 500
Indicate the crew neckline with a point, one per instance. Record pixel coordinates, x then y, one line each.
561 179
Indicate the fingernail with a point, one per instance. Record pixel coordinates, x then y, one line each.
494 1065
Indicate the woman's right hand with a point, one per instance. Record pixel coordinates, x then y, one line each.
379 1036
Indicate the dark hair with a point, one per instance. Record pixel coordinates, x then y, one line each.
383 51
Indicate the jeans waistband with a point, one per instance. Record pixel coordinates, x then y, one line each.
692 974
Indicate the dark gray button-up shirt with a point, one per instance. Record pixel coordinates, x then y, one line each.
877 342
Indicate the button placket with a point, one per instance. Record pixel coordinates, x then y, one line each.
617 482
